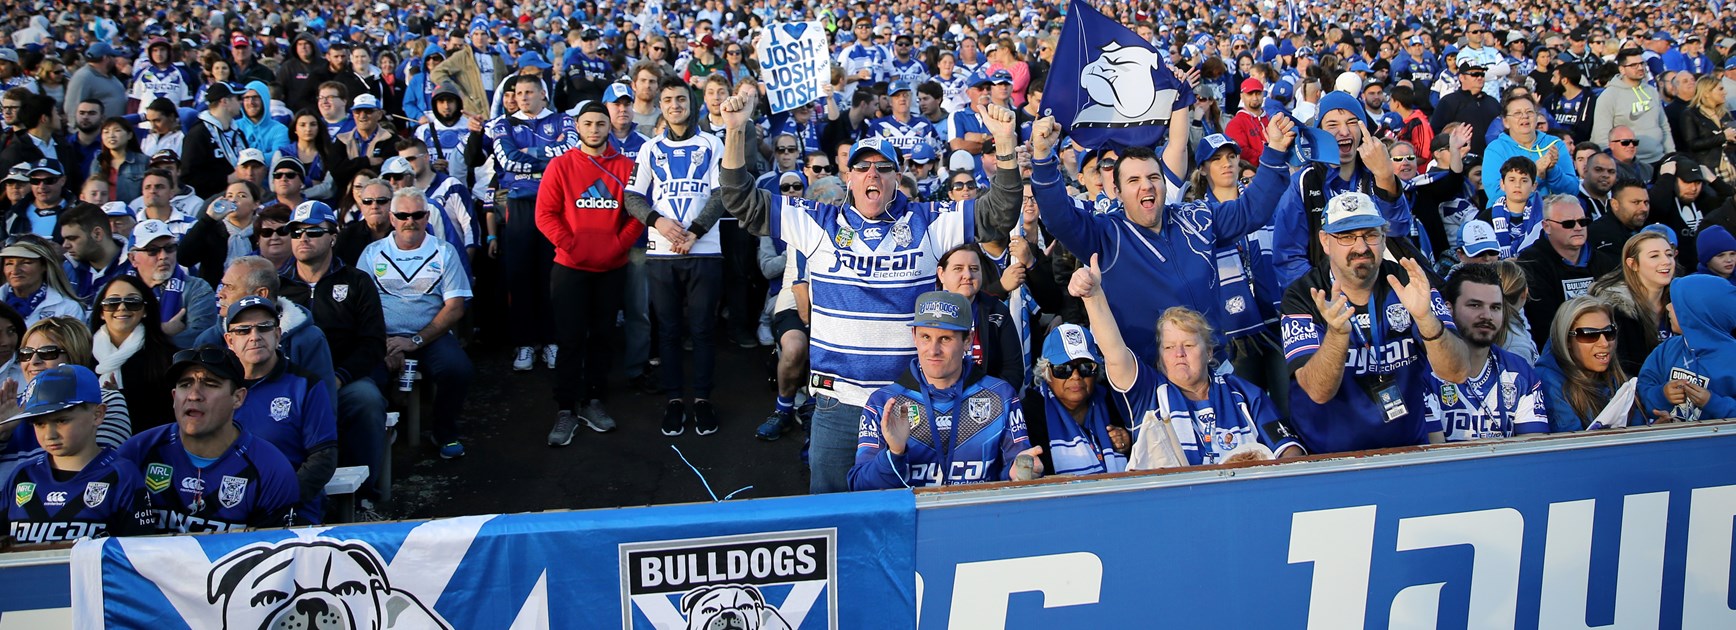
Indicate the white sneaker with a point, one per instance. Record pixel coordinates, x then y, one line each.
521 362
549 352
765 335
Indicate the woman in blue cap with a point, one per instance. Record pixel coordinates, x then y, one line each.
1082 432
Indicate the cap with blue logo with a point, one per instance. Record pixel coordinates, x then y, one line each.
617 91
149 230
1070 342
1478 238
246 304
365 101
942 309
1001 76
899 85
313 213
923 153
58 389
874 145
979 79
1351 211
1210 145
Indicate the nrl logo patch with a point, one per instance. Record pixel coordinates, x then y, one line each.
157 477
23 493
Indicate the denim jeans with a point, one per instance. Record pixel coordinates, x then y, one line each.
832 445
362 431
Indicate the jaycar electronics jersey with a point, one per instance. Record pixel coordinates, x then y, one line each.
106 498
151 82
967 435
678 177
905 135
250 486
1503 399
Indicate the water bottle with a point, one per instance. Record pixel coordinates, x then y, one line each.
407 378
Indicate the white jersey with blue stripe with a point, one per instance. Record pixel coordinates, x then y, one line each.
1504 398
905 135
865 277
678 177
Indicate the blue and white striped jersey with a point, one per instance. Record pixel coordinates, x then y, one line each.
1504 399
678 177
905 135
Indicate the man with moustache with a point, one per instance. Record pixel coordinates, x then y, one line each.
1502 397
1561 265
1630 208
1361 335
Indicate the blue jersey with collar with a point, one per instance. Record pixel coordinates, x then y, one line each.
523 147
1420 70
905 135
294 411
968 434
1503 399
913 70
1293 234
1386 355
630 145
1176 265
250 486
107 498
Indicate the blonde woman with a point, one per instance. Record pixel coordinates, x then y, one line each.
1708 133
36 283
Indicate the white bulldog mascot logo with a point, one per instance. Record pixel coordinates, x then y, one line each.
729 607
1122 90
316 584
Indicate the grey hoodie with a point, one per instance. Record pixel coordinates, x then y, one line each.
1637 107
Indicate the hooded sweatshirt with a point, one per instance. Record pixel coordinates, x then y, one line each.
1709 243
265 134
418 92
1704 354
1637 107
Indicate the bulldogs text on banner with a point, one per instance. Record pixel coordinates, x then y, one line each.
796 64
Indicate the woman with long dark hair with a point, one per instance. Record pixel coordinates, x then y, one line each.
311 144
132 353
120 162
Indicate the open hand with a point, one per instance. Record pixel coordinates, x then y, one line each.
1414 293
1335 311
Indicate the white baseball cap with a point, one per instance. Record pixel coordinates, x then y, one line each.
1351 211
1478 237
251 155
150 230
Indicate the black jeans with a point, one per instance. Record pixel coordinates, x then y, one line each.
527 256
584 306
684 294
744 288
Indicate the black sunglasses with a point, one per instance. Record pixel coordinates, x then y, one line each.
375 201
266 232
1590 335
1478 75
789 149
1065 371
822 168
1625 143
963 185
790 188
208 354
131 303
285 175
247 329
46 353
410 216
1573 223
308 232
168 248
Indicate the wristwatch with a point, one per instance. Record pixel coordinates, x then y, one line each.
416 339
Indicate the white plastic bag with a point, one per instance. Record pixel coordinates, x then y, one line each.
1157 446
1621 404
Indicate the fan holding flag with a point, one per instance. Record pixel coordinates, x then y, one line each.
1107 86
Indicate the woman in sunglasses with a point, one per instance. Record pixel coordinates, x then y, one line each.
49 344
1216 418
271 233
1578 368
132 353
1080 430
1635 294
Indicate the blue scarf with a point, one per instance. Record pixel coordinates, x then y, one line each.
1511 229
1229 414
169 293
27 305
1080 448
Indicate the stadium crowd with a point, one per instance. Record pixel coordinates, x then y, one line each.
232 231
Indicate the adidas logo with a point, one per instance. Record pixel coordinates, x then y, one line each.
597 197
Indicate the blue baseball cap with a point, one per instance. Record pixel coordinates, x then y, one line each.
1730 64
1478 238
1360 66
899 85
313 213
1351 211
617 91
1665 230
58 389
1210 145
923 153
942 309
1282 91
979 79
247 303
874 145
1070 342
1001 76
100 50
533 59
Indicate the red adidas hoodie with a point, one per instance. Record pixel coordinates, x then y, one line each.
579 209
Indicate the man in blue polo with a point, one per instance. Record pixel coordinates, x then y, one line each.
1361 335
286 405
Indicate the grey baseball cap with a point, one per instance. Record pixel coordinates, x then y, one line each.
942 309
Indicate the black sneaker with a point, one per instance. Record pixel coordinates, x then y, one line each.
704 417
674 417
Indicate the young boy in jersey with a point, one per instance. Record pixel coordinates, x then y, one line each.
73 489
1518 215
1502 397
203 472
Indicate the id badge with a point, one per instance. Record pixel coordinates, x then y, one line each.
1391 402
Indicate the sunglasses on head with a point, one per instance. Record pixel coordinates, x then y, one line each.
247 329
1590 335
131 303
410 216
157 249
884 168
308 232
1065 371
1573 223
46 353
209 354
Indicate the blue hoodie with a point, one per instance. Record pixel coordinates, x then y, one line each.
418 92
268 135
1705 352
1559 179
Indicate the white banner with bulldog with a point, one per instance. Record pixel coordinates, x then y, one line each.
798 562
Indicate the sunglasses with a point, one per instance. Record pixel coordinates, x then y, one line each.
310 232
884 168
1478 75
1590 335
1625 143
210 354
1066 371
43 181
1404 158
266 232
375 201
131 303
965 185
790 188
410 216
821 168
157 249
284 175
1573 223
46 353
247 329
788 149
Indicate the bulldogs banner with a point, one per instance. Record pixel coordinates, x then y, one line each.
1107 87
826 562
796 64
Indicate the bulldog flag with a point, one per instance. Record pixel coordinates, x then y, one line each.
1107 87
796 64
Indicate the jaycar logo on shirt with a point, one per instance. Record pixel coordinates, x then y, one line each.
771 580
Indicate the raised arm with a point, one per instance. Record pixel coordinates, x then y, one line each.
998 209
1118 361
748 203
1175 153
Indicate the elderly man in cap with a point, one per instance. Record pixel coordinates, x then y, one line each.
188 305
287 405
212 147
247 66
62 410
368 144
1361 335
97 80
346 309
252 168
121 219
941 422
204 472
1472 104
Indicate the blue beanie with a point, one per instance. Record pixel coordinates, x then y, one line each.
1340 100
1712 241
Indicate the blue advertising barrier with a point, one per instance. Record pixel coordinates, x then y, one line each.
1632 529
1623 528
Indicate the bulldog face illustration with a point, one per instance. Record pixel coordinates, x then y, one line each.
730 608
1121 78
319 585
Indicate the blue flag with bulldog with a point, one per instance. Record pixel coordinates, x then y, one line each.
824 562
1107 87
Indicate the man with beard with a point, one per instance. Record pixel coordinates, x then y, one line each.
258 129
187 304
446 134
97 80
1630 208
1595 181
85 141
1364 166
581 212
1570 103
1502 397
1361 335
1560 266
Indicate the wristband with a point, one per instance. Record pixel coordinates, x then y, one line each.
491 238
1438 335
1012 157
